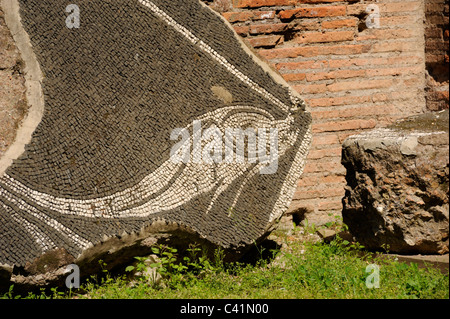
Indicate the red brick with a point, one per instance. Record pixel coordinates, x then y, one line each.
395 47
332 179
248 15
380 97
303 65
404 6
343 74
324 1
328 167
317 37
354 112
334 101
307 180
404 95
344 125
411 60
339 50
237 16
395 71
377 34
318 193
293 52
266 41
280 53
342 63
310 88
342 23
413 82
291 77
262 3
356 9
330 205
306 25
325 11
268 28
397 21
241 30
339 74
329 152
328 139
359 85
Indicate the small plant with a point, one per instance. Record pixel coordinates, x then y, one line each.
219 256
106 277
139 267
57 294
10 294
309 227
198 260
167 262
337 225
386 248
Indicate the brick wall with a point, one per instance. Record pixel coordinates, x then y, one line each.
436 53
354 77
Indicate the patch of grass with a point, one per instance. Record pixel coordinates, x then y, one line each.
307 270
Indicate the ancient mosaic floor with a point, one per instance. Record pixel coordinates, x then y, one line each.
98 164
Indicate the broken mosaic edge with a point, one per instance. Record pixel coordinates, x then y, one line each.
33 82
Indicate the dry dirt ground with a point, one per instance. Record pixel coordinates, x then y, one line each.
13 105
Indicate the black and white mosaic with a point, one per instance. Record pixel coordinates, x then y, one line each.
99 163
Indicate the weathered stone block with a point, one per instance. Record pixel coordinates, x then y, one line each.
398 184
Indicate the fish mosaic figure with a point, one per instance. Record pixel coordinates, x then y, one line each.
153 111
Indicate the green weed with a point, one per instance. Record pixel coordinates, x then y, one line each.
312 270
